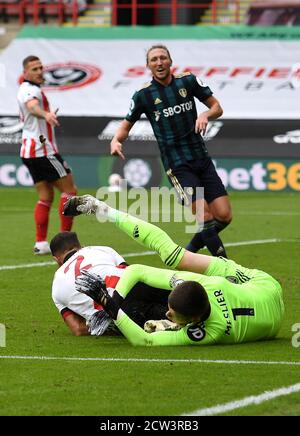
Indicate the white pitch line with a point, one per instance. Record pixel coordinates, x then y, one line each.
274 213
26 265
247 401
255 242
150 253
248 213
141 360
141 253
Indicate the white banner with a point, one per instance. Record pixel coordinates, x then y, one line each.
252 79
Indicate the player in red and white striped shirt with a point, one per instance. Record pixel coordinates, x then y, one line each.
80 313
40 154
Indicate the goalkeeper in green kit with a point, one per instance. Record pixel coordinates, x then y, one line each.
212 301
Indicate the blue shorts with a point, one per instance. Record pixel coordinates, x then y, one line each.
196 174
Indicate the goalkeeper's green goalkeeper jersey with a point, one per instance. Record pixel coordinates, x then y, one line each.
246 305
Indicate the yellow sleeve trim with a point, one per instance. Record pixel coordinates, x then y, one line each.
145 85
178 75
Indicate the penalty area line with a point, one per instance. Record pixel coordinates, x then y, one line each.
145 360
247 401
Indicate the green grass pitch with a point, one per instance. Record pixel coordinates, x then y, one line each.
169 381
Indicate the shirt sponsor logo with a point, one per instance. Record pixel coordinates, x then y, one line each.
178 109
196 333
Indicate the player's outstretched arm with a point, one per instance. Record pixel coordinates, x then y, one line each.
116 145
92 285
76 324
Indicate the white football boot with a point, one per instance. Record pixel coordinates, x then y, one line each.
41 247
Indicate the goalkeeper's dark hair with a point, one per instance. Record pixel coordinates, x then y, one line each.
64 241
190 299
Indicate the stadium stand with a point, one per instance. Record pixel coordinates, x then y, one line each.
97 13
42 10
103 13
7 33
226 12
274 13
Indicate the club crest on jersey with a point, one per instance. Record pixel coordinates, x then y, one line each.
157 101
182 92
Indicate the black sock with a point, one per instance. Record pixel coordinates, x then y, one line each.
208 237
196 243
220 225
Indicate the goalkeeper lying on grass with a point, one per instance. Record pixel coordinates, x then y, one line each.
213 300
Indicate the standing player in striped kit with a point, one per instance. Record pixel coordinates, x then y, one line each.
40 154
168 101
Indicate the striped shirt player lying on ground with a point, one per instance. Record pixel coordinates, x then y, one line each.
213 300
81 314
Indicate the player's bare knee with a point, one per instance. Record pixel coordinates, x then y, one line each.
207 216
224 216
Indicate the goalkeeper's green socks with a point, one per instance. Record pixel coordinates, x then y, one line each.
149 236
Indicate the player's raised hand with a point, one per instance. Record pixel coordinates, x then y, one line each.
51 118
201 124
116 149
